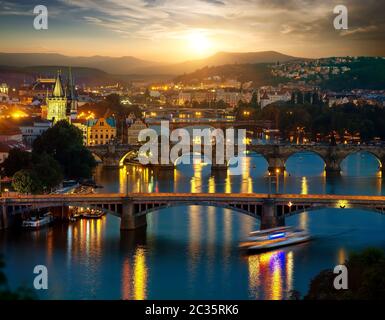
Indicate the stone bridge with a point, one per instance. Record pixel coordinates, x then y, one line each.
132 208
275 155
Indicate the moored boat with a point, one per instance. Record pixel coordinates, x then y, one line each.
92 214
38 221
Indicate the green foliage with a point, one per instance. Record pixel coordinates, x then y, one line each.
27 181
17 160
259 73
36 171
64 143
365 73
366 279
47 170
367 120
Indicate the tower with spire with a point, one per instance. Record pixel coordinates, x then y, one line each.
72 99
57 102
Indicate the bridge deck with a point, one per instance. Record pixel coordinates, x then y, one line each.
189 196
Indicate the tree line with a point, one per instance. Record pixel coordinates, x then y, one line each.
57 154
366 120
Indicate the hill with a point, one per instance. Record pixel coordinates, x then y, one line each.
132 65
218 59
15 76
259 73
112 65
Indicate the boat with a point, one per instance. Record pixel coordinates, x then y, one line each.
269 239
92 214
38 221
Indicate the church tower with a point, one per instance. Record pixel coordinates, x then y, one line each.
72 99
57 102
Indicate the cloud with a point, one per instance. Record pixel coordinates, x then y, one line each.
291 25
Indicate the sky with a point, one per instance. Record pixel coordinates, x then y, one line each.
180 30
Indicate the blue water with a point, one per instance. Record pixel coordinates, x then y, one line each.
192 252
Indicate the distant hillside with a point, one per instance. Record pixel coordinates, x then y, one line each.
258 73
131 65
15 76
365 73
112 65
218 59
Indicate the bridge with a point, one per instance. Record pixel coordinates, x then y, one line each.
275 155
132 208
215 123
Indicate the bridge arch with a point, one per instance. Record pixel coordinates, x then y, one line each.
300 154
251 210
127 155
371 153
287 212
98 158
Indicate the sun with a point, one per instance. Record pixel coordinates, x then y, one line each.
199 43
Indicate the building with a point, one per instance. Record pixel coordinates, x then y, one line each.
274 96
101 131
230 97
4 88
33 128
81 124
4 98
6 146
134 130
71 98
57 102
62 104
10 132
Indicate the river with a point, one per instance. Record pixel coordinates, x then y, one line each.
192 252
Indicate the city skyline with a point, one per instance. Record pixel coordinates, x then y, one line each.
175 31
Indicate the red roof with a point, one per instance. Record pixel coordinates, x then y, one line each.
6 146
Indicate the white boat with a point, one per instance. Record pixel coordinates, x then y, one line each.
38 221
269 239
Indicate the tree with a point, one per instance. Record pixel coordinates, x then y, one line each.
366 279
27 181
17 160
47 170
64 143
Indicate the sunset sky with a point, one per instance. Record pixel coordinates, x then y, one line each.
178 30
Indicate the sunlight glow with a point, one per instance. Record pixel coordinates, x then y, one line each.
199 43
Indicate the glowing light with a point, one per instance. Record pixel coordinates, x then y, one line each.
304 186
342 204
18 114
199 42
140 275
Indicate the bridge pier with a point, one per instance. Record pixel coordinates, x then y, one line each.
276 170
3 218
129 221
276 165
333 168
111 162
269 218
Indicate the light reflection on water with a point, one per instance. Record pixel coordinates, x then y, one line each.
191 252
